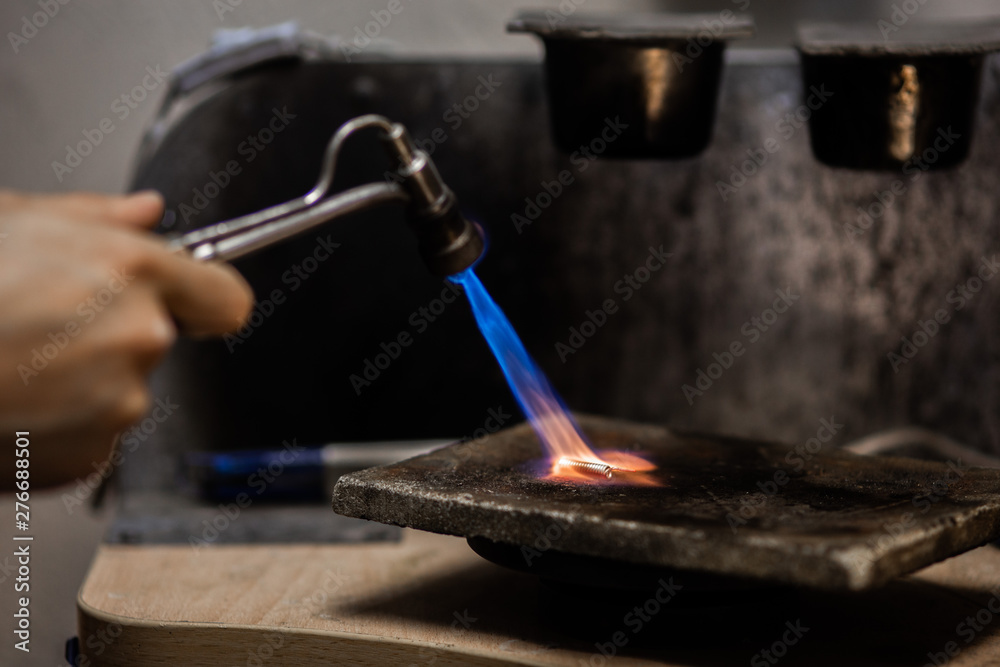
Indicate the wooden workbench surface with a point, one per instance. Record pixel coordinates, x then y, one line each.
429 600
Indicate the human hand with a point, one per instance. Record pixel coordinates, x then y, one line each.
89 304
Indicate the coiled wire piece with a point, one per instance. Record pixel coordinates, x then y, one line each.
605 469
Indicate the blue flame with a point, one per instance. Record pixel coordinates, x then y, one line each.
538 400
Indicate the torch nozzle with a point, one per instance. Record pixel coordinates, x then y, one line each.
448 242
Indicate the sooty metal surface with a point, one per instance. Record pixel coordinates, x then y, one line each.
747 509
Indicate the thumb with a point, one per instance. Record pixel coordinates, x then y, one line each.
141 209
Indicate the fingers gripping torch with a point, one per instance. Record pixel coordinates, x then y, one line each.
447 241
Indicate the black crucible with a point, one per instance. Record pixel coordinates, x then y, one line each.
653 79
893 98
723 506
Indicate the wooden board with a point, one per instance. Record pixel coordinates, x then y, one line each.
429 600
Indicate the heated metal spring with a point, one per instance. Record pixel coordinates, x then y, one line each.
590 466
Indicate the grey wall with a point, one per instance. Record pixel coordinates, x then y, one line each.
65 79
67 76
